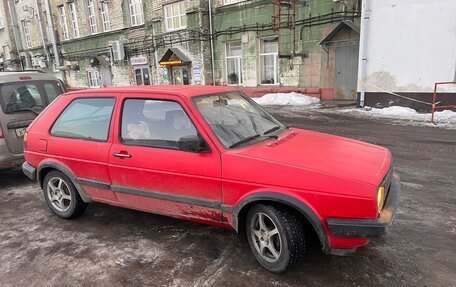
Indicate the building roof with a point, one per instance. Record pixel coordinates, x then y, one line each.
338 28
182 90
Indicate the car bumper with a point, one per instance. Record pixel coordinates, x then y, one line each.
29 170
369 227
7 159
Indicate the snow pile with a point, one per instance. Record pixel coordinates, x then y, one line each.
396 112
446 117
285 99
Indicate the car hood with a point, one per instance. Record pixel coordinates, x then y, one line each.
324 153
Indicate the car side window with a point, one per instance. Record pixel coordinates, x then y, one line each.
155 123
53 90
87 118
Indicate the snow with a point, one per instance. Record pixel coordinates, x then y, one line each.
445 118
285 99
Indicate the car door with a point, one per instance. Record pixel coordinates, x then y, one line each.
80 140
147 169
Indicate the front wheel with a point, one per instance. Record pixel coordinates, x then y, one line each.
61 196
276 237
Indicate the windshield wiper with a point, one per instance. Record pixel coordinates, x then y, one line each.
271 130
250 138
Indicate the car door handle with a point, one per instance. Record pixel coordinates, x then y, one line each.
121 155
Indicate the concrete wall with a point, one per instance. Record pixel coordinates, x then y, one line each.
409 46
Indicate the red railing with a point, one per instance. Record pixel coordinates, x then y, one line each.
434 101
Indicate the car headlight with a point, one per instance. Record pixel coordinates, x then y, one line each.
380 197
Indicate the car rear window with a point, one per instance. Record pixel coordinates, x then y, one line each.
28 96
87 119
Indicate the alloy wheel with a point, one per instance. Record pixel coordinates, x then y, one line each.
266 237
59 194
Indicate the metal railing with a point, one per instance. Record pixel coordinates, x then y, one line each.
435 103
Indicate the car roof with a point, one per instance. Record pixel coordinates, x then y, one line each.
18 76
182 90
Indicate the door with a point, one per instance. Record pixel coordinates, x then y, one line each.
106 76
142 75
180 75
150 173
346 72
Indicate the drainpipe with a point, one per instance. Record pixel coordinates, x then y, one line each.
53 39
365 14
15 26
40 21
212 43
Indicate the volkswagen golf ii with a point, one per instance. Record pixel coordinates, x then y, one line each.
212 155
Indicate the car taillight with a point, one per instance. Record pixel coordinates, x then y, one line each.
25 140
1 133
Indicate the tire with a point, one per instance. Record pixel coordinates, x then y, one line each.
282 248
61 196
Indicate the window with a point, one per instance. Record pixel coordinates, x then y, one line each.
175 17
94 78
63 23
136 12
32 96
74 19
92 16
155 123
236 119
52 91
233 63
6 52
105 17
27 38
22 97
269 61
142 75
85 119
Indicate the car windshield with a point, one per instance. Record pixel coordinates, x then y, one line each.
235 119
30 96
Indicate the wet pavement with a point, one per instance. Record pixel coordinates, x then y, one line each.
110 246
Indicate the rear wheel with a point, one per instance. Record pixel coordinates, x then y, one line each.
61 196
276 237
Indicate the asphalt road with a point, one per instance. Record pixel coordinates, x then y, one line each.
110 246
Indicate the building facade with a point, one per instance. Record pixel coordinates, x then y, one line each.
179 36
9 57
258 45
277 44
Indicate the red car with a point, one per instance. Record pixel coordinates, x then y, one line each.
212 155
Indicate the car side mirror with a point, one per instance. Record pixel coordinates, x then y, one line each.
190 143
